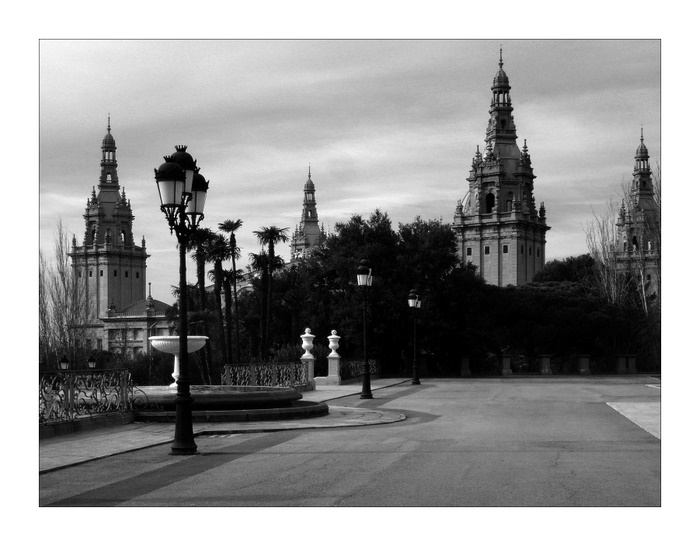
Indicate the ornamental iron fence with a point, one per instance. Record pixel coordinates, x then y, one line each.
269 374
67 395
350 369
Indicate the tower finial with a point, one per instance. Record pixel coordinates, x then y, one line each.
642 137
309 169
500 57
109 122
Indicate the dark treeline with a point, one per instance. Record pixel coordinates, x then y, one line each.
559 314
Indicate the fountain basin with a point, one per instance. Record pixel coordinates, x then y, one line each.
227 403
171 345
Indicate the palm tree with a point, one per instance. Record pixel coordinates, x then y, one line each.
198 245
230 227
218 251
270 236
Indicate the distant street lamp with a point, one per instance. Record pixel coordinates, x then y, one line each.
414 303
364 281
64 364
91 362
183 192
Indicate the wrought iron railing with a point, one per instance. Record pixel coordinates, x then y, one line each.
355 368
72 394
269 374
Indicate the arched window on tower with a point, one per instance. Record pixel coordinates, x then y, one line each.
509 202
635 246
109 178
490 202
108 236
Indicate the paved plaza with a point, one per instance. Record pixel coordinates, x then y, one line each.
515 441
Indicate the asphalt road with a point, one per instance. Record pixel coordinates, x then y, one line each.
465 442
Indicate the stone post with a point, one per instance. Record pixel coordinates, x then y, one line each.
584 364
333 359
631 363
333 363
505 365
622 364
546 364
465 371
307 358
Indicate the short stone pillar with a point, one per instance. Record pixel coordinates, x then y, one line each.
333 377
465 371
546 364
584 364
505 365
631 363
307 358
622 364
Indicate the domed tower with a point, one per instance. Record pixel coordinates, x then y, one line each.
307 234
108 264
498 225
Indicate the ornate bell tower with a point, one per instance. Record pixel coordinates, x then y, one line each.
639 226
498 226
110 267
307 234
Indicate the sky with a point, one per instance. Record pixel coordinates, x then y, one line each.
382 124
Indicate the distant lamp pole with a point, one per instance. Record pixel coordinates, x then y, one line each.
364 281
64 364
414 303
183 192
91 362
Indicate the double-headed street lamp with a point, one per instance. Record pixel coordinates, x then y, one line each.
183 192
414 303
364 281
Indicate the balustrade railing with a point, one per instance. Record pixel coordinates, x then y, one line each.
269 374
71 394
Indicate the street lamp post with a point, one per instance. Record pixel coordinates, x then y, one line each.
364 281
182 193
414 303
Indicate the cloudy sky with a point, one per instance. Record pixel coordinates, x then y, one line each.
388 124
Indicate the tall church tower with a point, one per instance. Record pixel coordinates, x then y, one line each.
639 226
498 226
307 234
109 265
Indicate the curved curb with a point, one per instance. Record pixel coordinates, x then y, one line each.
338 416
301 410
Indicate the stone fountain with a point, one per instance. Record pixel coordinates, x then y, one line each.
220 402
171 344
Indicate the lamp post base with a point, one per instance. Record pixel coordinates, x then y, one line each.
366 388
183 443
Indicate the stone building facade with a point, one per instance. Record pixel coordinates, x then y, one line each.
498 225
109 268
